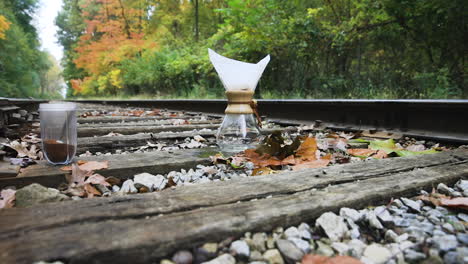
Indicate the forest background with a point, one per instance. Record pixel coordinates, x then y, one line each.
319 48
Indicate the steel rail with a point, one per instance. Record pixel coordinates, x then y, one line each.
443 120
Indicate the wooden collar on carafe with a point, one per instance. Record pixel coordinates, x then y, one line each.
239 102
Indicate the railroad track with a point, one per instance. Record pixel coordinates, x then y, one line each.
146 227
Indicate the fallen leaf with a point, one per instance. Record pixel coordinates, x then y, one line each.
97 179
458 202
389 147
113 180
22 149
77 177
380 155
290 160
406 153
308 149
218 159
263 171
361 152
8 198
91 191
317 259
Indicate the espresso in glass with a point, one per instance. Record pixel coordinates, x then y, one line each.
58 132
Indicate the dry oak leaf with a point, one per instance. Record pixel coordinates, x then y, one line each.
8 198
307 149
261 160
317 259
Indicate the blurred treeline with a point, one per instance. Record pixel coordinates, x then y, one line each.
24 69
319 48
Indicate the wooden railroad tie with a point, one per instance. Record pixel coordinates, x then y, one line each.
142 228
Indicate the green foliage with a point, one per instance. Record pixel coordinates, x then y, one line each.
319 49
21 63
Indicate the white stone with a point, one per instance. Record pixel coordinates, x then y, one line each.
223 259
333 225
153 183
240 248
341 248
356 247
377 253
292 232
382 213
273 256
128 187
373 221
301 244
351 214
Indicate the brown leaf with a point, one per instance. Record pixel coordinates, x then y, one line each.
317 259
218 159
8 198
113 180
95 165
307 149
91 191
290 160
77 177
362 152
97 179
75 191
380 154
261 160
433 200
458 202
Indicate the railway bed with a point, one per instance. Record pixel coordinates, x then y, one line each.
149 138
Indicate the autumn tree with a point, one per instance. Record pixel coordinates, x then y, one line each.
21 61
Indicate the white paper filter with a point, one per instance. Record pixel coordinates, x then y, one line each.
237 75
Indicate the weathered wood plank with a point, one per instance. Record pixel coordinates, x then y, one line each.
147 123
120 166
100 131
142 228
118 119
105 144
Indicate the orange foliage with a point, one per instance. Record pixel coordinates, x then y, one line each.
113 33
4 26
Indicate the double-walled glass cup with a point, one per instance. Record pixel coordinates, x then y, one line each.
58 132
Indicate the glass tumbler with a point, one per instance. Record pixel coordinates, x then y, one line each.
58 132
